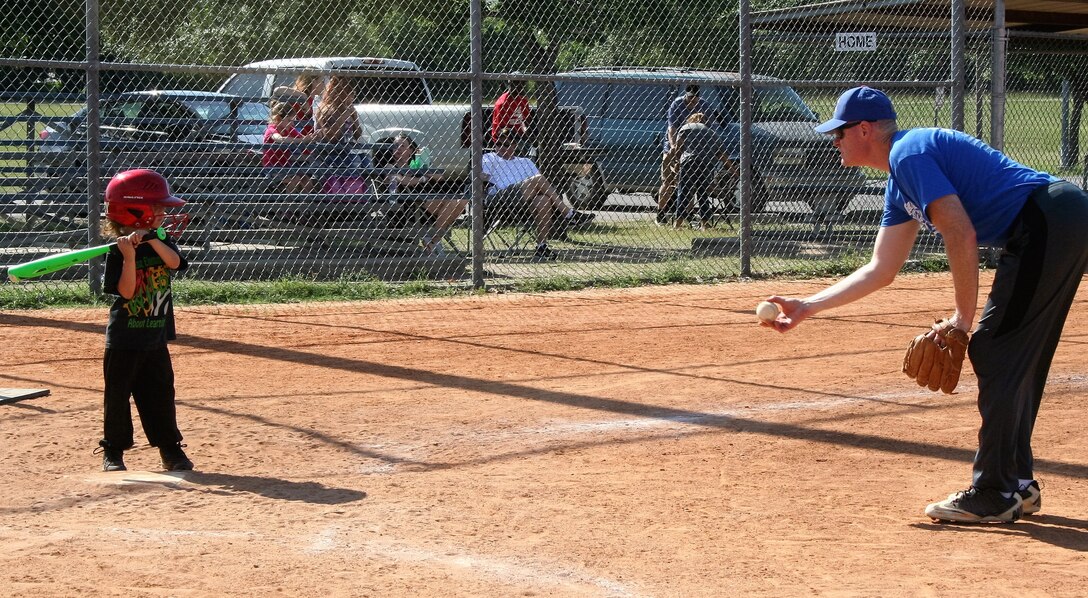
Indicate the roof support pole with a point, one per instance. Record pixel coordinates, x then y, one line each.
997 77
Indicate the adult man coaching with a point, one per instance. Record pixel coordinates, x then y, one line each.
970 194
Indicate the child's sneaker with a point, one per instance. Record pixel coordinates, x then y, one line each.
112 459
1032 497
174 459
977 505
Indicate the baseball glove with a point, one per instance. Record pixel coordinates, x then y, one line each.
935 360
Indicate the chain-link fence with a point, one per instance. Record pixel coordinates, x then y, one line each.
396 159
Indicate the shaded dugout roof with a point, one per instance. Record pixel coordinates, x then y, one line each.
1049 16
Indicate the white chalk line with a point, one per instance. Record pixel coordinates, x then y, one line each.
528 437
539 436
515 570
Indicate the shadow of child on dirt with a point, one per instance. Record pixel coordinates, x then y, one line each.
309 492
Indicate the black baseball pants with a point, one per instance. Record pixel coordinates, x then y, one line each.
147 377
1037 277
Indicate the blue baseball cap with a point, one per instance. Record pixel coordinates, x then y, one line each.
859 103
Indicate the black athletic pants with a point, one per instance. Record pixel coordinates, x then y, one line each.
1039 271
148 377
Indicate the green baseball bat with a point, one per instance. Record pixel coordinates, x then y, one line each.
60 261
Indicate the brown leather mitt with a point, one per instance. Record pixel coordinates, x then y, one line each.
936 362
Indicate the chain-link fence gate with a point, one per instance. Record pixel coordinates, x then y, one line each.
349 140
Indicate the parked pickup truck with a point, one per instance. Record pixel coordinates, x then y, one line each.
400 102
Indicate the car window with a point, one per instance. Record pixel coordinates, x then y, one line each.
638 101
724 101
779 104
391 90
212 110
169 118
284 80
257 115
165 109
246 85
589 96
122 109
209 109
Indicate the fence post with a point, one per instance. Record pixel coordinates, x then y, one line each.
959 70
745 139
1068 157
477 140
997 81
31 124
94 171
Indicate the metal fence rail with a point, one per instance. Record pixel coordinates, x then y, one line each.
190 89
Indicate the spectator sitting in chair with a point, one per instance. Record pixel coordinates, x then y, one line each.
515 180
282 161
444 211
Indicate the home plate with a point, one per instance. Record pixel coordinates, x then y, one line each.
13 395
119 478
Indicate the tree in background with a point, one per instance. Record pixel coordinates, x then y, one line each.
42 31
548 37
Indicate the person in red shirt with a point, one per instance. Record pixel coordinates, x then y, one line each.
511 110
310 86
281 128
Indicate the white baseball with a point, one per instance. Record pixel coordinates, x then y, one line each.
766 311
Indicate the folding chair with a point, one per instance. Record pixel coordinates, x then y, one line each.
509 227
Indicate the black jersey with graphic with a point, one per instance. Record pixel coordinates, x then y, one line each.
147 320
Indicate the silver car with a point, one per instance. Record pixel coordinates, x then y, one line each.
174 128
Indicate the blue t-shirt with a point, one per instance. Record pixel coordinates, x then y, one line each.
927 164
679 113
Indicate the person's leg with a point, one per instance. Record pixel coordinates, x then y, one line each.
682 199
1011 351
540 185
153 393
445 213
298 184
670 162
542 209
703 180
119 370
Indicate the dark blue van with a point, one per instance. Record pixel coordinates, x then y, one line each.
625 110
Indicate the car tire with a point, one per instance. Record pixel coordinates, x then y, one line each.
586 191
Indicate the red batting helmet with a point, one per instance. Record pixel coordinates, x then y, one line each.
130 195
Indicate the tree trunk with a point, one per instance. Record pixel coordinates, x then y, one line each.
551 129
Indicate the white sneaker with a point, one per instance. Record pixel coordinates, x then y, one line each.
976 505
1032 497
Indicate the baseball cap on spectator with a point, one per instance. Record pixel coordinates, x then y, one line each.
691 92
857 104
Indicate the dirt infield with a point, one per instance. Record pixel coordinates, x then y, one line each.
646 442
